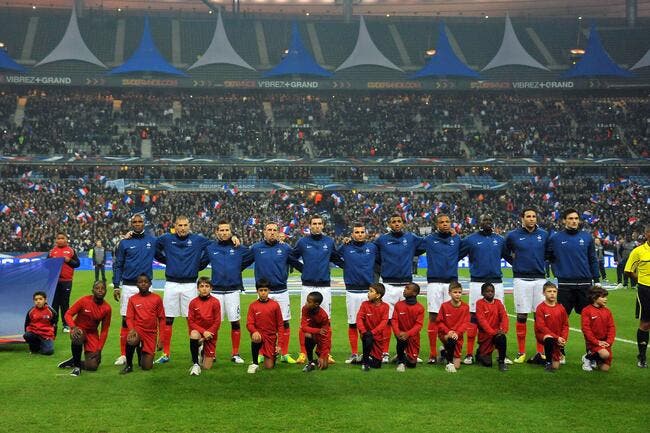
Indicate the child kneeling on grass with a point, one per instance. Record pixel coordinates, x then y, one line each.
599 331
264 322
551 327
452 321
315 325
493 326
408 317
203 322
40 326
372 320
145 319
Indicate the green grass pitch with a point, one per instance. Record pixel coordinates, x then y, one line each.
37 396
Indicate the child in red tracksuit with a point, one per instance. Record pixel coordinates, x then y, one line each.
40 326
315 326
372 319
492 328
551 327
599 331
452 321
203 322
408 317
265 324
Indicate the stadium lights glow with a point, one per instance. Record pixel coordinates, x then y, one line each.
210 11
33 6
579 18
387 15
2 44
430 52
487 16
119 9
307 13
577 51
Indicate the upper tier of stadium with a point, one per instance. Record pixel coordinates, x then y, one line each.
261 40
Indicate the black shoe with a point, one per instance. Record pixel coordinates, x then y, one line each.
68 363
127 369
310 366
538 359
75 372
503 366
365 368
548 367
641 362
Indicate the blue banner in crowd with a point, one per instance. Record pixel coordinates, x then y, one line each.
18 282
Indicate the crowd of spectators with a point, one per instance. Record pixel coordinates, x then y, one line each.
33 209
256 124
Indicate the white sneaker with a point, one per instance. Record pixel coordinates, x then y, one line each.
353 359
507 361
563 360
385 359
450 368
401 368
237 359
586 364
469 360
252 369
419 360
121 360
195 370
619 286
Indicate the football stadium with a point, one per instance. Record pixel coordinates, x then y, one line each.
324 215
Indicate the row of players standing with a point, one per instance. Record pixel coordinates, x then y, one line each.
570 251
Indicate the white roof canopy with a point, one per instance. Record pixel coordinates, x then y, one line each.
366 52
512 52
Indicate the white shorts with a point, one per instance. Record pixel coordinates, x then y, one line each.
230 305
177 298
475 294
327 297
353 302
285 305
126 292
528 294
393 295
437 293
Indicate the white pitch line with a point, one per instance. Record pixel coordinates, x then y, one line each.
622 340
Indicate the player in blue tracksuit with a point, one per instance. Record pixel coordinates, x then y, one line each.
184 255
484 250
442 248
396 251
573 261
526 245
317 252
133 256
272 262
227 261
359 260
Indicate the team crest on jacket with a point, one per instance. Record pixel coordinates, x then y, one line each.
539 238
278 252
404 242
367 250
451 241
582 242
324 247
494 242
148 245
232 252
189 242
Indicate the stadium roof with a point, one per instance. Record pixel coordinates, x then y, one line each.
444 8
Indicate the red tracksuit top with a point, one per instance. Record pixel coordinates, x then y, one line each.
312 322
551 320
453 318
407 318
372 317
145 313
264 317
598 325
42 322
204 314
87 315
491 317
67 270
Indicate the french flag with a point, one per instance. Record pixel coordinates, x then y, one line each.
101 178
18 231
5 209
337 199
547 196
284 196
203 214
110 205
426 185
26 175
82 192
216 204
376 208
127 199
286 230
426 215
